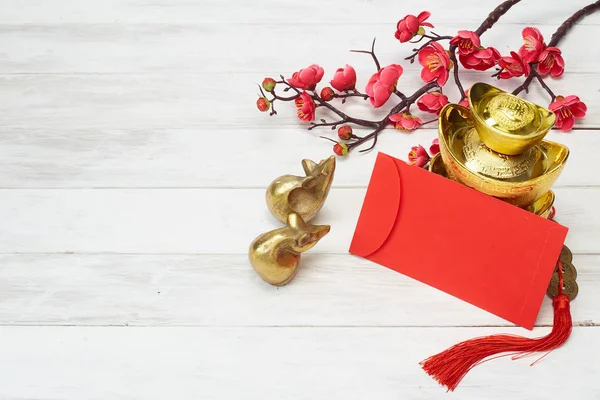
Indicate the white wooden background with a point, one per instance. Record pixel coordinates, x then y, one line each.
133 166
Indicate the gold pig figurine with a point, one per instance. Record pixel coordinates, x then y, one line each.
275 255
304 195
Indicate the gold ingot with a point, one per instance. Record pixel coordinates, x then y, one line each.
275 255
541 207
506 123
304 195
519 179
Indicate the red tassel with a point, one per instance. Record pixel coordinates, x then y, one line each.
450 366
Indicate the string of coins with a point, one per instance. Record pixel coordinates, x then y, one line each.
569 276
569 272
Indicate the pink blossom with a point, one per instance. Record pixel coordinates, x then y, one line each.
435 147
566 110
382 84
466 42
410 26
513 66
344 79
481 59
305 107
405 121
432 102
551 61
534 44
436 63
418 156
307 78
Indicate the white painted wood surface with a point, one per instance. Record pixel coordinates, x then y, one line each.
133 170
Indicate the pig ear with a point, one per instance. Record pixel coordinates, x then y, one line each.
295 221
308 166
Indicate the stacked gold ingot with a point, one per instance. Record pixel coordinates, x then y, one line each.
496 147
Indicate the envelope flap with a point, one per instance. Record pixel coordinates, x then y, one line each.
380 208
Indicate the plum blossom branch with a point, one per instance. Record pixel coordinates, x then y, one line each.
557 36
371 52
566 26
404 104
492 18
437 63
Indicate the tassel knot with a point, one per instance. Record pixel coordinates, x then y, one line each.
450 366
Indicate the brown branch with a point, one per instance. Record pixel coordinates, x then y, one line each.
571 21
333 124
354 94
344 117
544 85
459 85
372 53
495 16
525 85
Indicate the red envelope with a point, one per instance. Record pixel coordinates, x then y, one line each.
484 251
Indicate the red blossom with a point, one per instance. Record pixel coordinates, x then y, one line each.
513 66
534 44
466 42
432 102
345 132
435 147
307 78
566 110
340 149
263 104
344 79
436 63
327 93
410 26
405 121
551 61
382 84
418 156
481 60
305 107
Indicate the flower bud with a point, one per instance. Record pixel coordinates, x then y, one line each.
435 147
340 149
345 132
268 84
327 93
263 104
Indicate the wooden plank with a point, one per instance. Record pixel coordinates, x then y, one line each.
223 290
212 221
270 363
204 157
192 48
266 12
165 101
